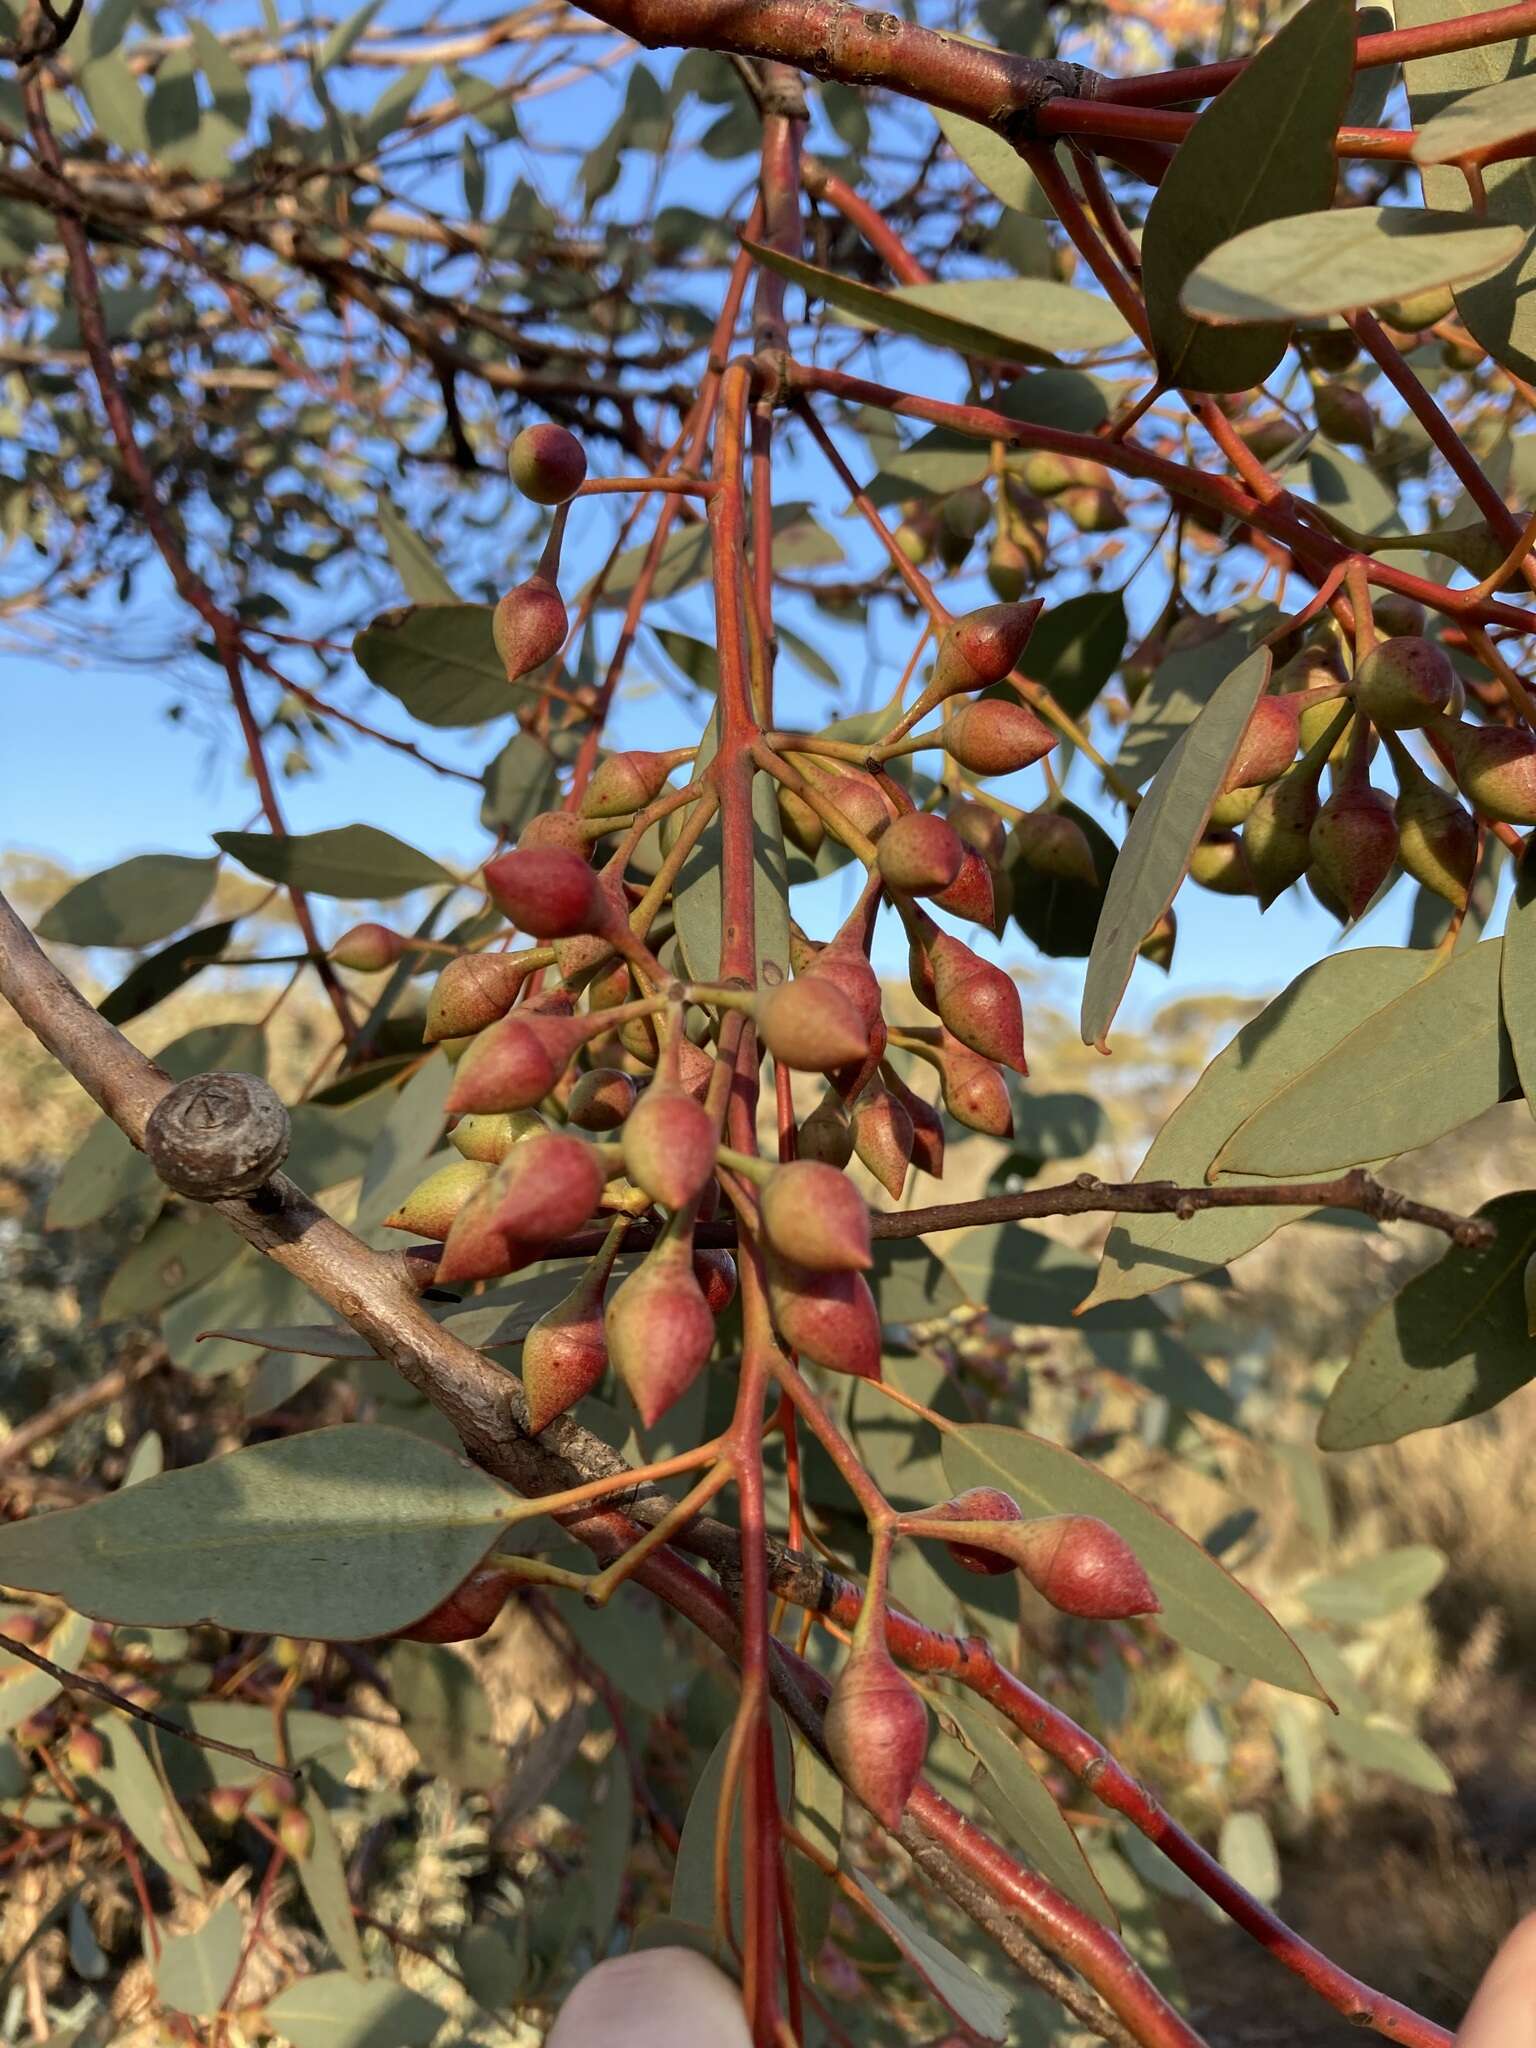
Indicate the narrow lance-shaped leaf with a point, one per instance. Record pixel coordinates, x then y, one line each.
358 1531
1430 1061
1163 835
1311 265
1454 1342
355 861
132 904
974 2002
1517 976
1263 148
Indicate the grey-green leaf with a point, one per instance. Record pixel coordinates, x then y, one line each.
444 1711
358 862
1314 264
440 661
1076 647
359 1531
699 901
323 1874
1517 979
1380 1747
1376 1586
1023 313
1452 1343
1431 1060
1480 120
415 563
195 1970
1319 1008
1204 1607
1162 836
331 2011
132 904
973 2001
1263 148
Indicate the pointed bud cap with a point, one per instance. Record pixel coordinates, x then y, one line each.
882 1137
1354 843
919 854
546 1188
995 737
471 992
977 1002
547 892
970 895
601 1099
467 1612
826 1135
810 1025
877 1732
1436 839
548 464
927 1130
430 1208
1404 683
1051 843
975 1093
669 1145
565 1354
509 1066
368 948
660 1331
715 1271
491 1138
828 1318
981 829
1082 1566
1268 745
860 801
1218 864
981 648
815 1217
1496 768
1277 834
529 626
625 782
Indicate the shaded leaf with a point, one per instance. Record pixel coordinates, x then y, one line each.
1061 915
994 160
181 1250
195 1970
132 904
444 1711
956 1986
1076 647
1517 975
361 1530
520 782
1380 1747
1204 1607
146 1806
1247 1849
1429 1061
693 1881
354 861
1319 1009
685 557
116 101
698 903
1179 690
152 980
1452 1343
1263 148
1376 1586
1030 313
1478 120
332 2011
1314 264
440 661
415 563
323 1874
911 1283
1162 836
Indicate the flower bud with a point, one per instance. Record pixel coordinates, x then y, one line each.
970 894
877 1732
548 892
802 826
471 992
995 737
809 1024
548 464
529 626
981 829
601 1099
844 965
715 1272
1268 745
1495 767
828 1318
975 1093
226 1804
1051 843
980 648
562 830
695 1069
1217 863
1345 415
979 1504
1047 474
84 1752
669 1145
296 1832
919 854
1158 945
826 1135
491 1138
565 1354
1436 836
882 1137
368 948
1082 1566
1235 806
625 782
467 1612
1277 833
815 1217
1009 570
977 1002
860 801
546 1188
660 1331
514 1064
429 1209
1404 683
927 1127
1398 617
1354 843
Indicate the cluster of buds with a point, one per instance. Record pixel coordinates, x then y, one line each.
1034 487
1276 822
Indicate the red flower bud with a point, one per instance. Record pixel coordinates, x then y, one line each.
548 464
877 1732
981 648
296 1832
1082 1566
811 1025
919 854
565 1354
1268 745
927 1128
975 1093
1496 768
715 1272
368 948
548 892
1403 683
669 1145
815 1217
467 1612
562 830
995 737
970 895
514 1064
882 1137
84 1752
860 801
601 1099
981 829
529 626
660 1330
624 783
471 992
546 1188
1354 843
829 1318
977 1002
980 1504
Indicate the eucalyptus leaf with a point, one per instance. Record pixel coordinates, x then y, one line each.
132 904
354 861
